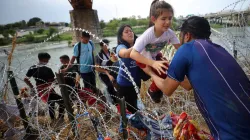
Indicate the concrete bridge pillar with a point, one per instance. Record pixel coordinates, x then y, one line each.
86 19
234 20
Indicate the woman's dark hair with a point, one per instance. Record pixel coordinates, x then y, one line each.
197 26
119 36
106 41
43 55
157 8
64 57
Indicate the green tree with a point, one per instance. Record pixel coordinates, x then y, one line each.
16 25
102 24
52 31
113 24
6 34
1 29
69 43
30 37
8 26
133 17
66 24
40 31
133 21
142 22
11 32
33 21
124 19
23 24
174 25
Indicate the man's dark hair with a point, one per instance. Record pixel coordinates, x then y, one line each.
104 41
119 36
65 57
197 26
43 55
85 34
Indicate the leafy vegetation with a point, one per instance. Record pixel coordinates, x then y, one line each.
216 26
110 28
138 24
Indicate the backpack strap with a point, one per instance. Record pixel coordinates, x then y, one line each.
79 53
102 52
92 45
100 57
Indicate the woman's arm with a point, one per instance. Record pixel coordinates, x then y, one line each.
140 58
157 65
168 85
125 53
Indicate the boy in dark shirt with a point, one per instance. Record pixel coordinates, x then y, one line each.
44 78
70 75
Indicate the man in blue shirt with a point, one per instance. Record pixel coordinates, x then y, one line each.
221 88
85 60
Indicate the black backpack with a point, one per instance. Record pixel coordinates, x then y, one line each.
79 54
109 63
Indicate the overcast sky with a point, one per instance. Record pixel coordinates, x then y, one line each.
58 10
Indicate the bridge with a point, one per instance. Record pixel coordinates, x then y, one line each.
83 16
230 17
81 4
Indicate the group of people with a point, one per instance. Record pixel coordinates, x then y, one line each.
221 88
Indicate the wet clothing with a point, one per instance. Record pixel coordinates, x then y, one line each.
44 77
89 80
221 88
70 75
41 73
55 98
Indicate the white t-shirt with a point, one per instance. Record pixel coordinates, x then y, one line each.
149 46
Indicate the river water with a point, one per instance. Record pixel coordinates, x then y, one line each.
26 55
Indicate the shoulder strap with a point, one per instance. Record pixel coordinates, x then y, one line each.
105 54
92 45
100 57
79 52
101 53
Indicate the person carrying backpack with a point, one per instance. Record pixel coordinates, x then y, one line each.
103 58
83 52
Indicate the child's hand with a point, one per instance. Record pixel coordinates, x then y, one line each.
164 59
148 70
160 66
